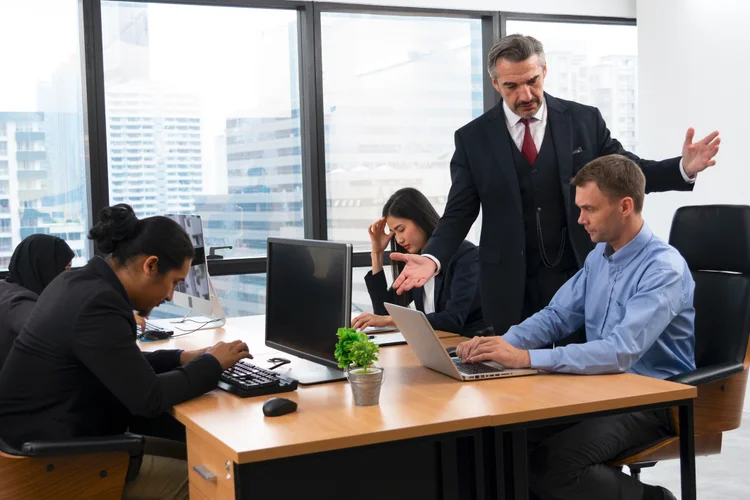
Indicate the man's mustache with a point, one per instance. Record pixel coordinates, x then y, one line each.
526 103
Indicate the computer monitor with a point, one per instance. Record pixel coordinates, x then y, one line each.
308 298
196 293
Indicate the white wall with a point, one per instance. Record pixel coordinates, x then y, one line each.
693 71
612 8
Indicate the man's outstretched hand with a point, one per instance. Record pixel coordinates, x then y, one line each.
698 156
417 271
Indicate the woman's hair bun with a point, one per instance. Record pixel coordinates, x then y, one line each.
116 224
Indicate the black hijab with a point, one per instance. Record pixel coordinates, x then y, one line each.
37 260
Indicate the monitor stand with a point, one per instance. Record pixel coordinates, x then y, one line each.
216 318
309 373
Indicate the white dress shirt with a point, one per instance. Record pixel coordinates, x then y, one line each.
537 126
429 296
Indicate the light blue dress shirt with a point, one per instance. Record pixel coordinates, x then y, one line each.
637 305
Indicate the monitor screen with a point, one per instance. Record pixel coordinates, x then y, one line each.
196 281
308 296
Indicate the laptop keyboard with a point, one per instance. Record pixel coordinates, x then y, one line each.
475 368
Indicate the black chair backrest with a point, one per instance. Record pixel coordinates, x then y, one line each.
715 242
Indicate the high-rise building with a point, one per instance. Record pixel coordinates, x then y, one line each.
154 148
153 133
30 200
614 79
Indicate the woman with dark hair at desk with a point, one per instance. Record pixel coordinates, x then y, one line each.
450 300
75 369
35 262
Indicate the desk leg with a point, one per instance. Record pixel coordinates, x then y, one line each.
449 467
687 451
511 468
520 466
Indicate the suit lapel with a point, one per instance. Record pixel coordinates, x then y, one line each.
418 294
497 130
559 121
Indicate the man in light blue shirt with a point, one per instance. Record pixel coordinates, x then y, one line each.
634 296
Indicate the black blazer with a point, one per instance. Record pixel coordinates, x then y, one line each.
75 369
16 304
457 304
483 174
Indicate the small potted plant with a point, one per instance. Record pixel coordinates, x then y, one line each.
356 354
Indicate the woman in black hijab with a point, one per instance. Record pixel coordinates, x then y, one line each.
36 261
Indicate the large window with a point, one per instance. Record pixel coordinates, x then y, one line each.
592 64
202 107
42 161
395 90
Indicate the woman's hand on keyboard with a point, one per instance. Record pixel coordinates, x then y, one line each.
228 354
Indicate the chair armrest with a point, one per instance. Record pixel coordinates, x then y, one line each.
131 443
708 374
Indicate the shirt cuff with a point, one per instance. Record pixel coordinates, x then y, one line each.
433 259
689 180
541 359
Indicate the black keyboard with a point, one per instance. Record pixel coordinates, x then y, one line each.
475 368
247 380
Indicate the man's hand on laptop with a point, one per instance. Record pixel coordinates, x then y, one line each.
493 349
417 271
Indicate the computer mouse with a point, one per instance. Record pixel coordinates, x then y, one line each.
276 407
156 334
451 351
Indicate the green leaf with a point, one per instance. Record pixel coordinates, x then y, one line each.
364 352
347 337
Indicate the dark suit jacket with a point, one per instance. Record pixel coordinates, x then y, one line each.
75 369
483 173
457 304
16 303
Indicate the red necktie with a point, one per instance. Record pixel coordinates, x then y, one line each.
529 148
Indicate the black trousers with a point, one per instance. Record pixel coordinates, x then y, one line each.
568 461
164 426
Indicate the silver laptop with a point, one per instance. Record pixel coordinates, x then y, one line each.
426 345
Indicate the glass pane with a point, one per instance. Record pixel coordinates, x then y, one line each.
392 104
42 160
203 117
245 295
592 64
240 295
360 298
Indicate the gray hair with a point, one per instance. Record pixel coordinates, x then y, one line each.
514 48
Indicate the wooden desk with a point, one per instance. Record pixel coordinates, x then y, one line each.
430 437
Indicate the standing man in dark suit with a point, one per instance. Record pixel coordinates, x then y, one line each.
516 162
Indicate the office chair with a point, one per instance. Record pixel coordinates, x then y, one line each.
715 242
81 468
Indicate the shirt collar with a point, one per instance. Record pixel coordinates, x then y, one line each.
103 269
623 256
513 118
